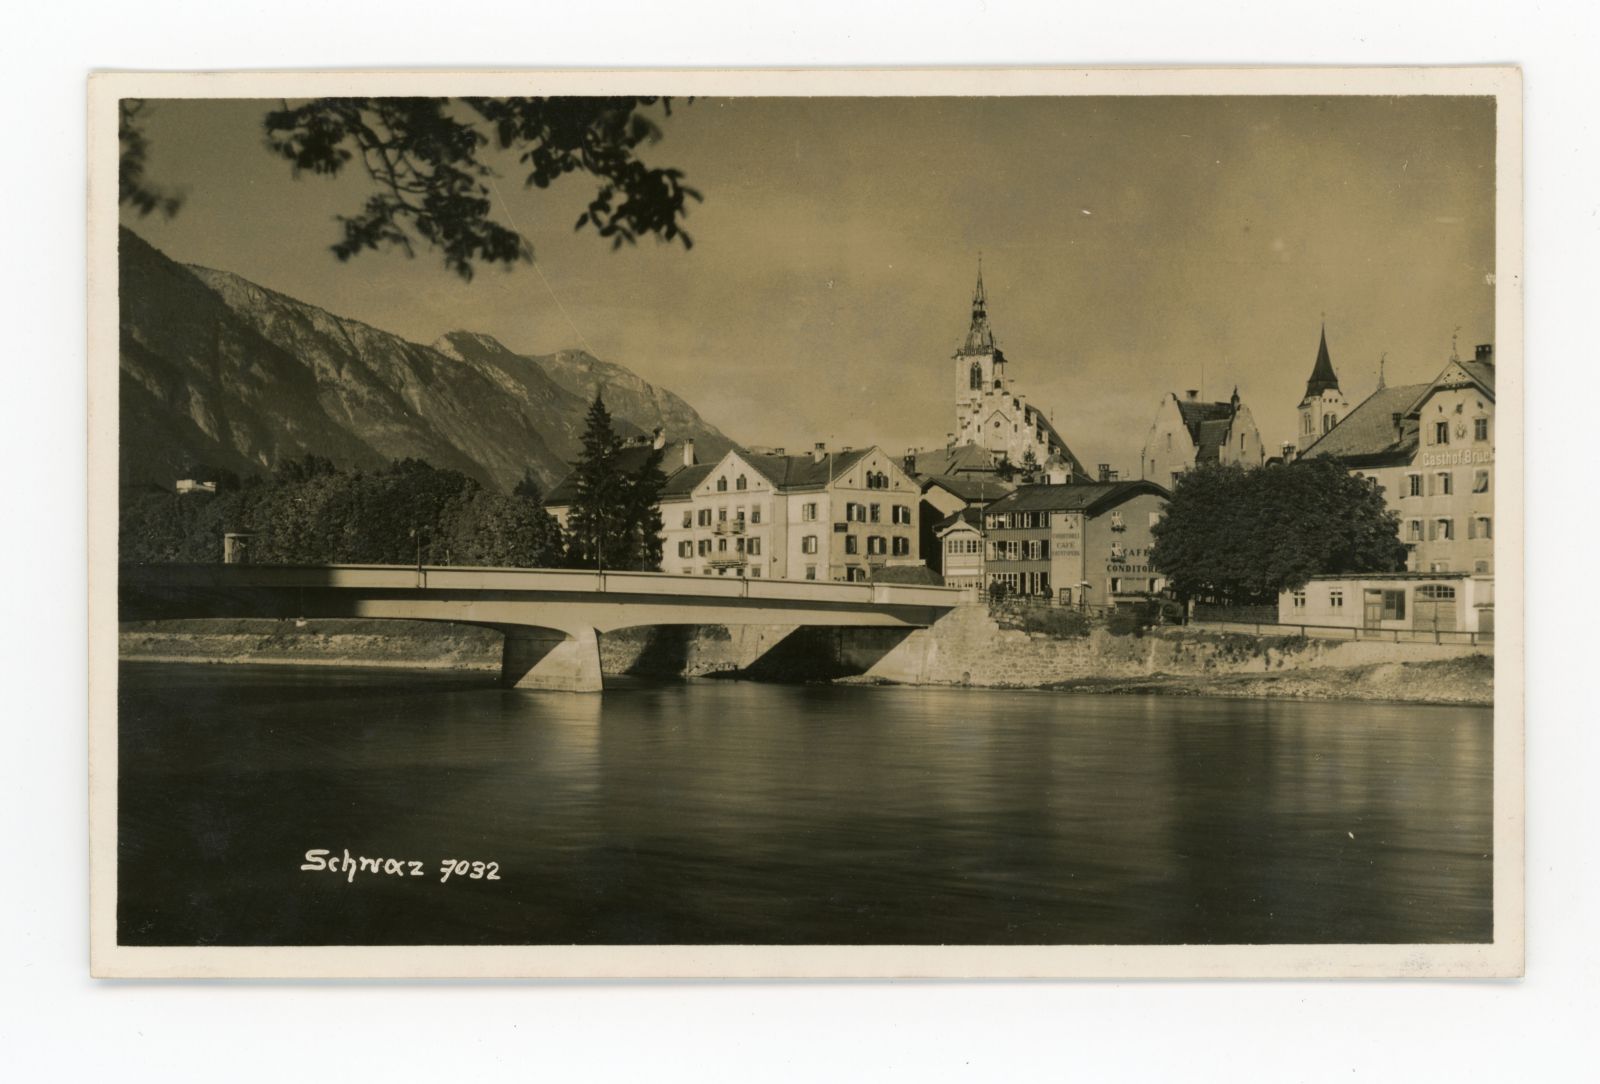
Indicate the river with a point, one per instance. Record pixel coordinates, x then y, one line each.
736 812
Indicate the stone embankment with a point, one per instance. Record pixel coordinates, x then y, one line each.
965 648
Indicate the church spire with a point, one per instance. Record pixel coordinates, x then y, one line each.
1322 374
980 338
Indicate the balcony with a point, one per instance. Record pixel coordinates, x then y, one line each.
730 526
726 560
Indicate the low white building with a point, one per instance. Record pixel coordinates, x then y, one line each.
959 537
1446 602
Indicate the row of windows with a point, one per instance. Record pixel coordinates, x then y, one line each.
750 546
963 546
870 513
739 483
876 544
1440 431
1440 484
1016 520
703 515
1443 529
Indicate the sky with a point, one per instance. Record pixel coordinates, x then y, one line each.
1131 247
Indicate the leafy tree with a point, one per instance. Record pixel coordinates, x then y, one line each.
426 160
1030 465
1241 537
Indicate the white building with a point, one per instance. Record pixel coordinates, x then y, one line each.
1187 431
830 515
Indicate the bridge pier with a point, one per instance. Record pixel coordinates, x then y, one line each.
552 660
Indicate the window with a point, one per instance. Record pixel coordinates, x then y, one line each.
1437 591
688 517
808 511
1413 530
1394 605
1478 527
1413 485
902 547
1299 599
875 545
755 573
705 517
1335 598
1329 421
1480 481
722 485
1441 432
850 544
755 514
808 544
704 547
753 547
875 513
992 551
1480 429
740 483
739 545
975 376
1441 530
1442 483
811 571
722 545
1116 522
902 513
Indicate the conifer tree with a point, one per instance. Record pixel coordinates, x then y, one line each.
596 530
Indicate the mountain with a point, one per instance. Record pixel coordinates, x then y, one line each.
218 370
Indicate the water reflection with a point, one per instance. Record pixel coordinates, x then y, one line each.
736 812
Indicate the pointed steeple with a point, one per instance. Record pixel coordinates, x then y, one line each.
1322 375
980 338
1381 359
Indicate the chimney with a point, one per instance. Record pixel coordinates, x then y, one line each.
1395 419
908 463
1193 394
658 438
819 452
1484 352
777 451
1288 451
1105 472
688 453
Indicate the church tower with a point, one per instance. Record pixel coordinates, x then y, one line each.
980 366
1324 404
991 414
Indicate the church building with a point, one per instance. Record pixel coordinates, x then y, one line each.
991 413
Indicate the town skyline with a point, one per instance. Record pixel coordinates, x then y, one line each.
831 302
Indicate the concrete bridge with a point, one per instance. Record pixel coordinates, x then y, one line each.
552 619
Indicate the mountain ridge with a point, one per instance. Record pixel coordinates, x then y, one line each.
217 369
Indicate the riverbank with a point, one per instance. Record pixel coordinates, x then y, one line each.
967 648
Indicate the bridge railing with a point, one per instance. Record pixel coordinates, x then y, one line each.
460 578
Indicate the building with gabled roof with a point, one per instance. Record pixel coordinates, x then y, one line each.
1187 432
1429 448
829 515
1084 544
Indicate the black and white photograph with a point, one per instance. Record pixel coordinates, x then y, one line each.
941 525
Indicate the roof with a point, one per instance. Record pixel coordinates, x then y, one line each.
1368 435
1196 414
681 484
1322 374
1088 497
804 471
918 573
1213 435
980 338
959 459
970 516
629 458
970 489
